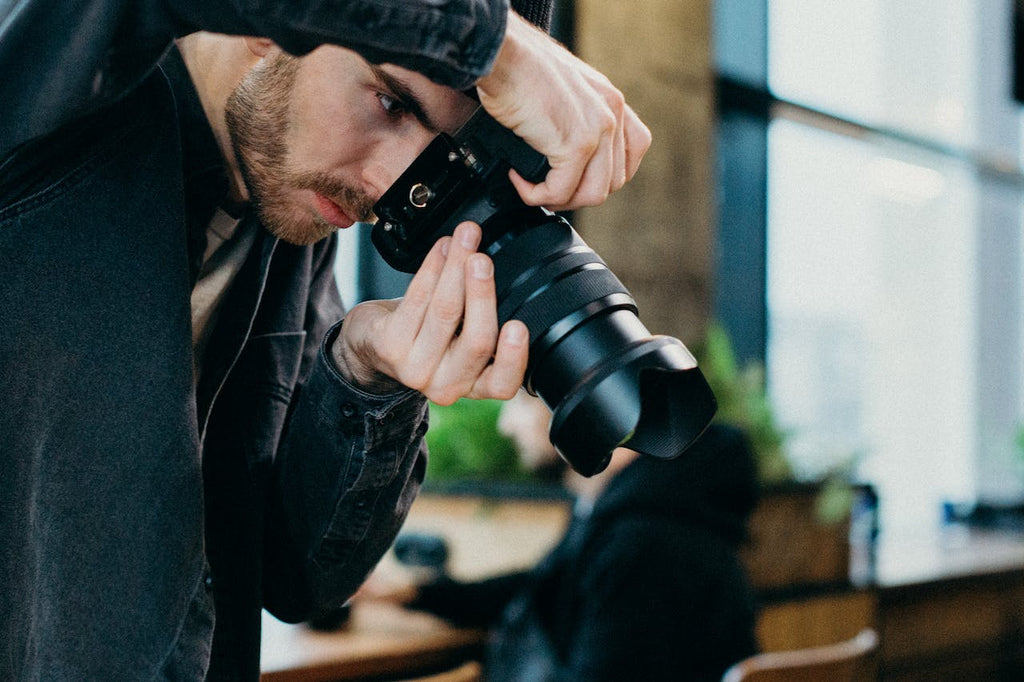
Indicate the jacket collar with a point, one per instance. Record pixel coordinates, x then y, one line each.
203 168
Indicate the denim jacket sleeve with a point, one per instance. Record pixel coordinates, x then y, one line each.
61 60
347 469
346 474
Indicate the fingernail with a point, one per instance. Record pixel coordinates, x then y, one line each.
444 247
516 334
481 268
468 238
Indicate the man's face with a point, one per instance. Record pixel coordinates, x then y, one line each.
320 138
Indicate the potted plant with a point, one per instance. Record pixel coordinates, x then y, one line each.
800 533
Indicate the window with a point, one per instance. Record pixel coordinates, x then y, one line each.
889 209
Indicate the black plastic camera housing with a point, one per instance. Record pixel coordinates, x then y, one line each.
607 380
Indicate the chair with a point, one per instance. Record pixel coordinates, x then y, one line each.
850 661
470 671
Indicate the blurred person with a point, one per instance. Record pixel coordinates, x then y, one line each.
645 584
188 432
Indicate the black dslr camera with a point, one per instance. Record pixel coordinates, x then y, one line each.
607 380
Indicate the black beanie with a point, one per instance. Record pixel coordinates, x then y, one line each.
537 12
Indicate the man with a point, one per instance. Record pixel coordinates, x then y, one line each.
187 431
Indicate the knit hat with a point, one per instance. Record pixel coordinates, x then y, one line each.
537 12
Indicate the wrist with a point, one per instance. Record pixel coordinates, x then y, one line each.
355 370
516 32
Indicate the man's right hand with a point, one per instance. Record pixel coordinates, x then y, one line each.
442 338
569 112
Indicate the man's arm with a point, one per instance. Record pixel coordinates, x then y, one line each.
352 457
62 60
348 466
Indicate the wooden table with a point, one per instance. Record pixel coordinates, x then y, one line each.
380 641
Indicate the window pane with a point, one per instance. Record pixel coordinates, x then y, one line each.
878 314
935 69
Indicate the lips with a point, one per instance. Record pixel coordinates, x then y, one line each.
332 212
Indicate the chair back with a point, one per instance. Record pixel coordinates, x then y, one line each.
850 661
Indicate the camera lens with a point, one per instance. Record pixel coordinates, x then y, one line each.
607 380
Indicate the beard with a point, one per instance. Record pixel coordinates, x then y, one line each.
257 118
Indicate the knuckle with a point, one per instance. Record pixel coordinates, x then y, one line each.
591 196
444 398
480 338
447 311
505 392
617 101
418 379
588 146
607 121
417 297
645 138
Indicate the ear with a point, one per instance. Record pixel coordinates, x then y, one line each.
259 47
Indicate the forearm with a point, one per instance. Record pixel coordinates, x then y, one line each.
347 471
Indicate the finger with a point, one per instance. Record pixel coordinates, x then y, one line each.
412 309
480 323
637 141
597 178
615 121
502 378
619 169
447 305
475 345
557 188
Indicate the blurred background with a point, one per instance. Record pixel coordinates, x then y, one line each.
831 217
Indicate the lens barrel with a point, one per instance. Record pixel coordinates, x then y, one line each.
607 380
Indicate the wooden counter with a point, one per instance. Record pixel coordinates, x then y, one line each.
947 605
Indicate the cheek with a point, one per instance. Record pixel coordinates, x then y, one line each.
327 129
324 142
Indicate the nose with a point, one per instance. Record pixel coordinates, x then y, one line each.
389 157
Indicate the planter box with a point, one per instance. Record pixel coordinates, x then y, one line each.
790 548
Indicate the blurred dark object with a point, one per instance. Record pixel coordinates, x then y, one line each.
423 551
335 619
986 515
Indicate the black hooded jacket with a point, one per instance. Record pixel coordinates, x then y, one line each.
647 586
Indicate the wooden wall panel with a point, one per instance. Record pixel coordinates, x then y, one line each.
657 233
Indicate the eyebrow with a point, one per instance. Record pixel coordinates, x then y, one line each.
409 99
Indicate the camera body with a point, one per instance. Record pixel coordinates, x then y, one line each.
607 380
456 179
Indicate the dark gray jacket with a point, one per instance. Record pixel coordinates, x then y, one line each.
111 460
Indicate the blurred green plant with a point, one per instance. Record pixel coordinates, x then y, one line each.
465 443
744 403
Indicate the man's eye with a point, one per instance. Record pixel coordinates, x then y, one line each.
392 106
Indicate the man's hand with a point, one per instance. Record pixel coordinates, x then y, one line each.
442 337
567 111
